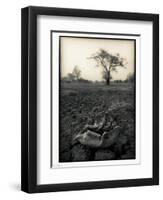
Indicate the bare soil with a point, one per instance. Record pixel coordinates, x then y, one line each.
84 104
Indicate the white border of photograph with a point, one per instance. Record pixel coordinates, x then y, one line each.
48 175
55 120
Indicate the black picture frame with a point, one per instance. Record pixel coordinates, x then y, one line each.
29 98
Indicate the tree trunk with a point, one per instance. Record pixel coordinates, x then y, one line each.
108 79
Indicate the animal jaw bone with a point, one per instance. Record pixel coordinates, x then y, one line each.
95 140
96 127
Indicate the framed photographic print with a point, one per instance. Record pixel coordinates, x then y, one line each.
90 99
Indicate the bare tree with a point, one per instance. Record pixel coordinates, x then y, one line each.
108 62
70 77
105 76
76 72
130 77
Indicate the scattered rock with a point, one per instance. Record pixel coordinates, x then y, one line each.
80 153
104 155
128 155
122 139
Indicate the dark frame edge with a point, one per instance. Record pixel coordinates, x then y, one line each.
24 99
94 185
102 14
28 100
156 99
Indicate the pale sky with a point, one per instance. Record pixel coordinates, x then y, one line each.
75 51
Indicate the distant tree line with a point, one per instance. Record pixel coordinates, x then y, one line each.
130 79
75 76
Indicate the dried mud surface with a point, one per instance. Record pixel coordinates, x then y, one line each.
87 104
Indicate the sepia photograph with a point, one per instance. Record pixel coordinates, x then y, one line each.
97 99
